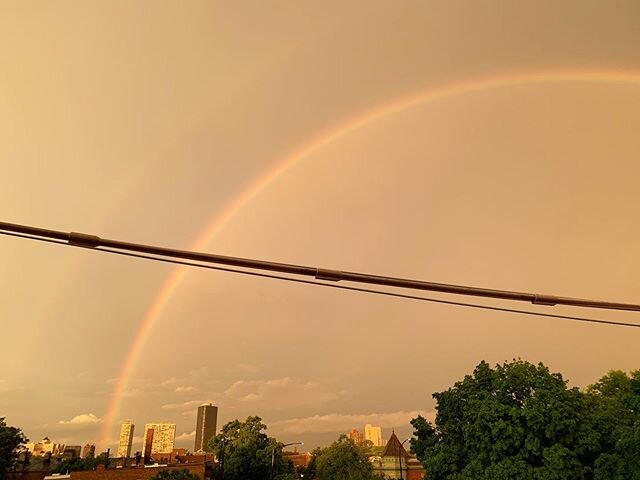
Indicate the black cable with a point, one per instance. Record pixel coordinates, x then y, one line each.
340 287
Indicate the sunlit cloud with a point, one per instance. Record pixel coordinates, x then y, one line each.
186 436
284 391
82 419
337 422
185 405
185 389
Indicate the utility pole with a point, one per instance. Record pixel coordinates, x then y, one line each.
400 454
273 455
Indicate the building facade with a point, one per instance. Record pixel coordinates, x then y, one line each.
44 447
159 438
89 451
206 424
356 435
126 439
72 451
373 434
201 470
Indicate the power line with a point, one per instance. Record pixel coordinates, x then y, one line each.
93 241
339 287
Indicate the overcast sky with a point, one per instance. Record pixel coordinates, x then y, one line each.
148 121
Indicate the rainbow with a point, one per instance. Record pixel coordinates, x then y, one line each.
305 151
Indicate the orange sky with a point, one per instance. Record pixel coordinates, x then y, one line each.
146 122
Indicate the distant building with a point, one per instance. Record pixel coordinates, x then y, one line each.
373 434
126 439
72 451
89 451
44 447
356 436
396 463
298 459
159 438
206 424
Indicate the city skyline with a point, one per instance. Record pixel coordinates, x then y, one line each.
491 144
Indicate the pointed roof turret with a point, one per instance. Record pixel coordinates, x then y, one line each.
394 448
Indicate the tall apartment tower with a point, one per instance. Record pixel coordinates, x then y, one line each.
160 437
206 425
373 434
126 439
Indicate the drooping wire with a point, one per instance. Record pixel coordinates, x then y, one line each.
330 285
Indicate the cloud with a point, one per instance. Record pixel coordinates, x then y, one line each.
337 422
133 393
82 419
6 386
191 404
284 392
187 388
186 436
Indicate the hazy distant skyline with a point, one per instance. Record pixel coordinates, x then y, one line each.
151 122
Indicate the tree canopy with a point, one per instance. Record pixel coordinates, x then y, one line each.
343 460
11 439
520 421
78 464
245 452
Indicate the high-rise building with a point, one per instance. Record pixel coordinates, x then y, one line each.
160 436
373 434
89 451
206 424
126 439
147 444
356 436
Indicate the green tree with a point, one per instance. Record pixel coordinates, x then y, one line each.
182 474
615 401
11 439
77 464
310 471
343 460
516 421
246 452
424 437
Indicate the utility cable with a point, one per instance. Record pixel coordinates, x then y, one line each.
93 241
340 287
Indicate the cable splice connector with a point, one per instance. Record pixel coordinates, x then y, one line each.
548 300
329 275
84 240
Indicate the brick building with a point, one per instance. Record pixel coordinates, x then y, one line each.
203 470
298 459
356 435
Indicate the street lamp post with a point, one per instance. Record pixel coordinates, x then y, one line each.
273 455
400 455
224 442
